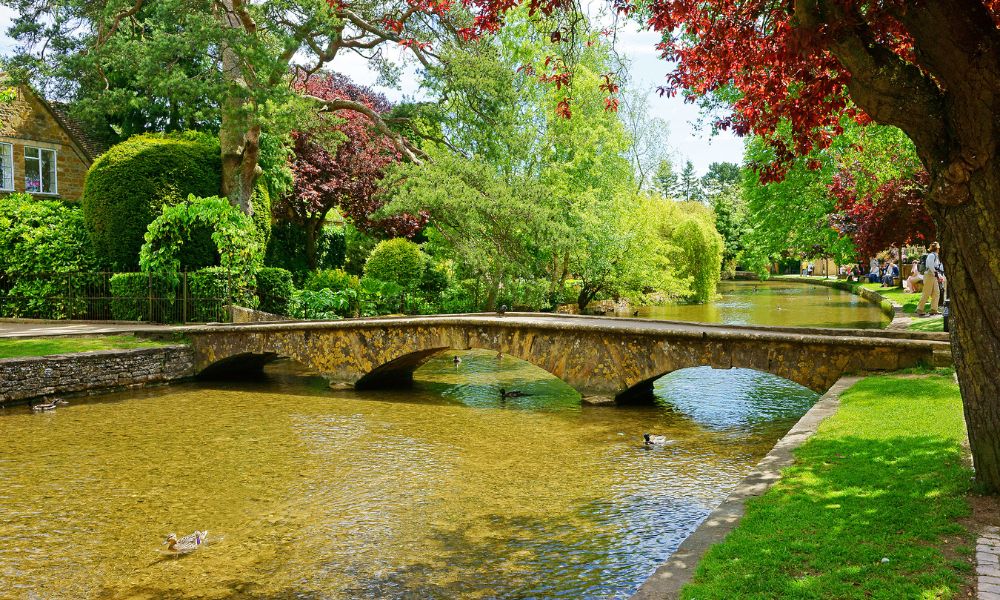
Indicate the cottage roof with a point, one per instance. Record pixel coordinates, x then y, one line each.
91 146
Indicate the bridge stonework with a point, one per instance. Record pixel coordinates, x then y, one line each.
602 358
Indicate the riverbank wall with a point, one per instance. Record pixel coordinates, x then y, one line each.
28 378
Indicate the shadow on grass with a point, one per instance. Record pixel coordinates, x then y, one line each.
849 502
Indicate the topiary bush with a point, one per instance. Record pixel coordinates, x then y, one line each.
43 247
274 290
127 186
397 261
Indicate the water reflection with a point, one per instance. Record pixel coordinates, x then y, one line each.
776 303
439 492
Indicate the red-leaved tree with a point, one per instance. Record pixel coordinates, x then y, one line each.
893 215
348 176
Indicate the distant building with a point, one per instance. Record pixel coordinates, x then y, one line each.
43 151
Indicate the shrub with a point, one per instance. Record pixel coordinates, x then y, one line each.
397 261
274 290
232 232
333 279
210 290
322 304
143 297
434 280
42 242
287 246
357 247
128 185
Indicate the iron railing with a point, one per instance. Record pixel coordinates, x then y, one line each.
151 297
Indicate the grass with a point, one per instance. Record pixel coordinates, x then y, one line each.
883 478
895 295
14 347
928 324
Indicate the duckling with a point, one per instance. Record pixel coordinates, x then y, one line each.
188 543
512 394
654 440
457 361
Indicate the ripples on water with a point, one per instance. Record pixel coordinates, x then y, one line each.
440 492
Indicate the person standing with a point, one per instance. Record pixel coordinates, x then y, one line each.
931 289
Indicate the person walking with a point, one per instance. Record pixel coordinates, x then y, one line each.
932 266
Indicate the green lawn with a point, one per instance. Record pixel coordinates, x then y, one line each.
928 324
12 347
897 295
883 478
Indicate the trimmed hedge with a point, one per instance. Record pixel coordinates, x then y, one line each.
331 279
128 185
274 290
143 297
211 290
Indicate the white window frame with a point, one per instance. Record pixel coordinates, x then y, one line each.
41 175
6 153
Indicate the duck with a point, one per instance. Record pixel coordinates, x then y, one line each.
654 440
188 543
457 361
512 394
44 406
502 310
635 313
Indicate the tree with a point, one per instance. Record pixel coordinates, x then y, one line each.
648 137
666 179
720 177
339 162
688 185
731 222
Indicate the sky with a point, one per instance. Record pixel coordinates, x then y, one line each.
687 140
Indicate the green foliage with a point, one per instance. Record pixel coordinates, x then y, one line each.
40 240
261 203
232 231
286 248
128 185
700 247
210 290
324 304
357 246
397 261
333 279
274 290
142 297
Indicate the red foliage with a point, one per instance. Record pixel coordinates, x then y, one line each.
349 178
893 215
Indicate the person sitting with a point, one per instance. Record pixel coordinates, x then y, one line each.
914 283
890 275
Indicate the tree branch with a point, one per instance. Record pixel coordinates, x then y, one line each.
400 143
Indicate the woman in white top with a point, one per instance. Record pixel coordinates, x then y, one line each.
914 282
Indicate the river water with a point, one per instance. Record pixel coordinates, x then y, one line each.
776 303
443 491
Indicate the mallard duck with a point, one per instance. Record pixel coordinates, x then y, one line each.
457 361
654 440
502 310
50 405
188 543
512 394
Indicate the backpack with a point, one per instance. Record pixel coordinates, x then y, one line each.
922 265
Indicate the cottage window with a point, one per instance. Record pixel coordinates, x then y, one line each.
39 170
7 167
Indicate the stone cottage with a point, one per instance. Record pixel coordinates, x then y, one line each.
42 150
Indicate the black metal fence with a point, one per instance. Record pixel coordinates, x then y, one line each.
151 297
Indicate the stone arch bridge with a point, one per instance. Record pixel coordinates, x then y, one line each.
603 358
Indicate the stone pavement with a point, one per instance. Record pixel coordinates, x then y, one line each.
32 328
988 564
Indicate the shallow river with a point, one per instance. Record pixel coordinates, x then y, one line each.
439 492
776 303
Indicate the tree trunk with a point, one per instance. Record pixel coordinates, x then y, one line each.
239 135
970 250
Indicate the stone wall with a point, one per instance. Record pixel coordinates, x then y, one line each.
22 379
240 314
28 122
